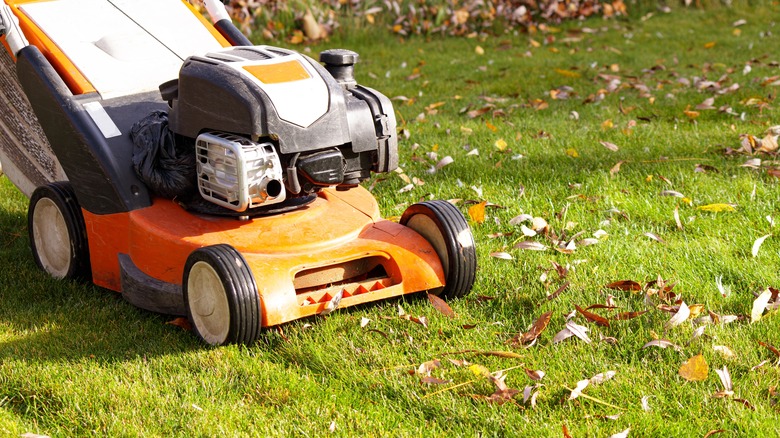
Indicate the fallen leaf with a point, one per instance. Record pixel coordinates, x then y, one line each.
677 218
501 255
182 323
716 208
757 244
628 285
430 380
441 306
759 305
501 144
623 434
427 367
579 331
725 379
600 378
477 212
770 347
672 193
590 316
536 329
555 294
655 237
572 153
661 343
568 73
534 375
680 317
646 403
611 146
616 168
694 369
581 385
625 316
364 322
714 432
531 245
724 351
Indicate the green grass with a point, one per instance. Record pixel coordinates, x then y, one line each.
77 360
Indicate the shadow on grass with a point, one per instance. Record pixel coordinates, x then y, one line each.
45 319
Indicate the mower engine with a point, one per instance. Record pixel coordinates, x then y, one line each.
270 124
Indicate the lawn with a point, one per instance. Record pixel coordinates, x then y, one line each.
604 130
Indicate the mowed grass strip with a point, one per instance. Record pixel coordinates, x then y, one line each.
77 360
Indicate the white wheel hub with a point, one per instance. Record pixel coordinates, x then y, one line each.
427 228
208 303
51 238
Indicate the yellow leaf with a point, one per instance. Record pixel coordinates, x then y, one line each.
477 212
716 208
397 28
695 369
479 370
695 310
607 124
568 73
501 144
649 178
710 45
736 32
687 200
690 114
435 147
466 130
534 43
572 153
479 50
370 18
491 126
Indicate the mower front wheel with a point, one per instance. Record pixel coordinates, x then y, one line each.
58 237
445 228
220 295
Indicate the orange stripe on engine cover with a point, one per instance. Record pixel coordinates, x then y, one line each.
289 71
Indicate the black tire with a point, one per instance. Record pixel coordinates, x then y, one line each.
220 295
58 237
444 226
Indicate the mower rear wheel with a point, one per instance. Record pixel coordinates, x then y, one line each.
220 295
58 237
445 228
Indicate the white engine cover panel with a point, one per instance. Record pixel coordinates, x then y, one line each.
296 90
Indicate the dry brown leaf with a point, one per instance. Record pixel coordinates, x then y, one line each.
770 347
655 237
628 285
695 369
555 294
611 146
714 432
441 306
616 168
183 323
430 380
590 316
534 375
625 316
536 329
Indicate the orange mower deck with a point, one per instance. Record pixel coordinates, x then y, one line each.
300 259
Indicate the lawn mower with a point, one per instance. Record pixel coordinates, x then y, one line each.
169 159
